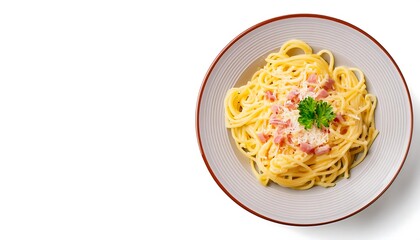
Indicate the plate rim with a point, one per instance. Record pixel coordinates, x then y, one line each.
244 33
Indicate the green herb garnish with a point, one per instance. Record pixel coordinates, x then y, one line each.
315 112
307 109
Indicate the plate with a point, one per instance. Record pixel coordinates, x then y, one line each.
352 47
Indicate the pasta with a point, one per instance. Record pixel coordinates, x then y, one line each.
300 120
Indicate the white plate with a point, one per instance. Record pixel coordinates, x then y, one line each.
352 47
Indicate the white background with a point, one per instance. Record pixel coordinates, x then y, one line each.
97 119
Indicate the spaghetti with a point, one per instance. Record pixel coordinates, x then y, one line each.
265 118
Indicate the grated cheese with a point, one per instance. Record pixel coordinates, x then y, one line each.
353 116
313 136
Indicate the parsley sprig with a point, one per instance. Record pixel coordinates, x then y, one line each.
315 112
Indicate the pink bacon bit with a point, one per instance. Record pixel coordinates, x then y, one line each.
278 122
322 149
270 96
307 148
290 138
329 84
286 124
263 137
312 78
279 137
280 140
322 94
290 105
274 120
275 109
292 94
339 118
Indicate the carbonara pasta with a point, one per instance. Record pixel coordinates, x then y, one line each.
300 120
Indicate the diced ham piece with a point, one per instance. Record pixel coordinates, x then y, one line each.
288 123
322 149
279 136
292 95
274 120
275 108
311 89
328 85
290 105
279 139
270 96
263 137
283 124
339 118
307 148
279 122
312 78
322 94
289 138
